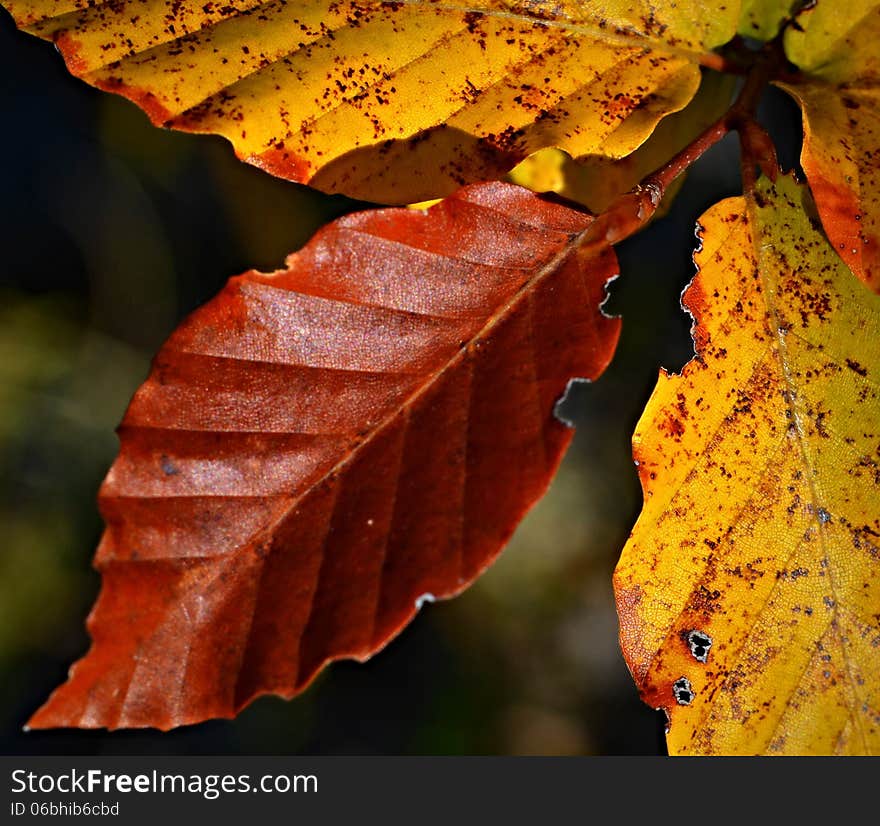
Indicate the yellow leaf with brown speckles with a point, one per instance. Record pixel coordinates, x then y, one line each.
762 19
836 45
393 101
749 591
596 181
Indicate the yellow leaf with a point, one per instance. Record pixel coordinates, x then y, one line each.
837 48
393 101
762 19
834 41
595 181
749 590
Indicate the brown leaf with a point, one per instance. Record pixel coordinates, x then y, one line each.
317 449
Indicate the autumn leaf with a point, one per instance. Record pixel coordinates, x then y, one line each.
748 592
394 102
762 19
836 46
596 181
319 450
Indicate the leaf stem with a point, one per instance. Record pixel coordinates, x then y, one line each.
722 63
632 210
756 146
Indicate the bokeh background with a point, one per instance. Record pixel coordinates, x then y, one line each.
111 231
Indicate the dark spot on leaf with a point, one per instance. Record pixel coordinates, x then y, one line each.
168 467
856 367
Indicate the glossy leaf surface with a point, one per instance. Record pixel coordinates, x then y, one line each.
748 592
394 102
319 450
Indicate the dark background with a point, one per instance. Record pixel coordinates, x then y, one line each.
110 232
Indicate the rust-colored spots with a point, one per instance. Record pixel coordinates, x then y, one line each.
335 81
840 153
760 468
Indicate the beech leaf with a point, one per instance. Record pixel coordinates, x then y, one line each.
762 19
836 46
319 450
596 181
748 592
394 102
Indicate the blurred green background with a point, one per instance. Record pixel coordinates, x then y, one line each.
112 231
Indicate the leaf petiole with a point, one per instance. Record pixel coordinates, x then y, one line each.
634 209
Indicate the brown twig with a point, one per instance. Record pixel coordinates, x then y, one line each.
632 210
756 146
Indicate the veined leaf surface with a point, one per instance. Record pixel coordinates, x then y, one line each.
395 102
596 181
318 450
840 100
749 591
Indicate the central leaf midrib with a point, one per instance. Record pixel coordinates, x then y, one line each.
432 378
770 290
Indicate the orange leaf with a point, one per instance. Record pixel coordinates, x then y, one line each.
749 590
839 99
395 102
318 450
